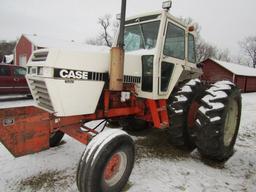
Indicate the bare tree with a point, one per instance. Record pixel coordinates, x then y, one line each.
223 55
95 41
105 24
108 29
239 59
248 45
6 48
205 50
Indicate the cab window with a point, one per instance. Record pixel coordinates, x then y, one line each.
5 71
141 36
166 73
191 49
19 71
175 42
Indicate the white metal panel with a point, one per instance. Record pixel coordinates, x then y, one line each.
77 98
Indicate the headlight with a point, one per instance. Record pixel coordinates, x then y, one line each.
167 5
45 71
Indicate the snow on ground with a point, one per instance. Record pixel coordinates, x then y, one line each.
159 167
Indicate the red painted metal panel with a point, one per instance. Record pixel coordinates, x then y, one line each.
158 110
24 130
75 132
152 105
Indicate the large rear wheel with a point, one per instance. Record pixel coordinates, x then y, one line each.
131 124
183 106
218 121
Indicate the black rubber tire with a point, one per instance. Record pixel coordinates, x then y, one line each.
93 162
55 138
132 124
211 121
181 135
113 123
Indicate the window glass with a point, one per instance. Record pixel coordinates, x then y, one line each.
175 42
191 49
19 71
141 36
5 71
147 73
166 72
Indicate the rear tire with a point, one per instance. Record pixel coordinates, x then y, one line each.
218 121
107 162
183 105
134 125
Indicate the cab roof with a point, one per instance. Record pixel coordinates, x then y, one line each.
153 15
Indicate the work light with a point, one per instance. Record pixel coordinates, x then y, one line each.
167 5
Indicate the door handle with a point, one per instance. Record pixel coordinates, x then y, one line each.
15 79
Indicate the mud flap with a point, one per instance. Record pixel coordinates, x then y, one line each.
24 130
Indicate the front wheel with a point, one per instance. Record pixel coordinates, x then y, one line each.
107 162
218 121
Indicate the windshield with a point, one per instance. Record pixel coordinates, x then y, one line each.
141 36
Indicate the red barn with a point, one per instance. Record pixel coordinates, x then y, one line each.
244 77
28 43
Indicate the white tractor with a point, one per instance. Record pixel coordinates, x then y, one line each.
149 76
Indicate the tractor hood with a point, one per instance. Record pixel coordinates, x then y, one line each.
87 58
69 82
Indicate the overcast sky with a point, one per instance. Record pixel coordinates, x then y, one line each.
223 22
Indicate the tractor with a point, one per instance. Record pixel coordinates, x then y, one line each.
148 78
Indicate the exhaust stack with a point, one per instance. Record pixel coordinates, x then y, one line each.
117 56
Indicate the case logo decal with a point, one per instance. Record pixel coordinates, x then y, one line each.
71 74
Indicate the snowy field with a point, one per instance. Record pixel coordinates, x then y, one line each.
159 167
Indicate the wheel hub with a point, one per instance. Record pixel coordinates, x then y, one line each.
115 168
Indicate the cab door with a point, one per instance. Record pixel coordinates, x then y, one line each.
173 57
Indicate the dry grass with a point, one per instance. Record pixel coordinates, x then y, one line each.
47 181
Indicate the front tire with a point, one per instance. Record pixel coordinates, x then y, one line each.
107 162
218 121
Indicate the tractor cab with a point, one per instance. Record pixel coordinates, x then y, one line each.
167 49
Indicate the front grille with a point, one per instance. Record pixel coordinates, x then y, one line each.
40 56
41 94
131 79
